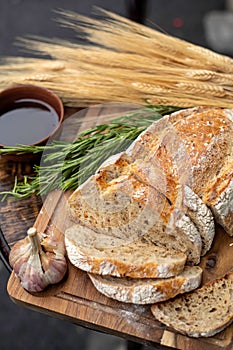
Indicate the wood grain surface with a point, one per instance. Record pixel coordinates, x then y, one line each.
75 299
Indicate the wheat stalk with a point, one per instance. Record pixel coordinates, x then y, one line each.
122 61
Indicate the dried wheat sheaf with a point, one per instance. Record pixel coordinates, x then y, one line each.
122 61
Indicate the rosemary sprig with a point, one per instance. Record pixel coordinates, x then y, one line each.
66 165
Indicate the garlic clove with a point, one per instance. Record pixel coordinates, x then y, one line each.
23 250
54 267
31 275
54 243
36 264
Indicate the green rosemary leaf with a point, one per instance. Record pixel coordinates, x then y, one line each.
66 165
21 149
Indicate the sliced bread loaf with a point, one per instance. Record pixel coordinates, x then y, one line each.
129 209
106 255
156 188
201 313
159 159
147 291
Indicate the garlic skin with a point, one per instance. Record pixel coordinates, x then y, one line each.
39 260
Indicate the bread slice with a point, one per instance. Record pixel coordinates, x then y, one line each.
201 313
129 209
106 255
147 291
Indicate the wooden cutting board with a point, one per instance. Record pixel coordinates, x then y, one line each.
75 299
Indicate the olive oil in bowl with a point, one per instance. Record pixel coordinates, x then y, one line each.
26 122
29 116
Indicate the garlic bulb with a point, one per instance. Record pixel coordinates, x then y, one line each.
38 260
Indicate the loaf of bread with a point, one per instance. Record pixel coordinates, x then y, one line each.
201 313
168 186
149 211
147 291
193 147
190 148
130 209
212 165
106 255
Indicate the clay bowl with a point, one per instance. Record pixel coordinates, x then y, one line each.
29 115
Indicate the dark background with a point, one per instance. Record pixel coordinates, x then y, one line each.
195 21
208 23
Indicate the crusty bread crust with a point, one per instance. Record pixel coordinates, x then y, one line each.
220 200
147 291
211 158
194 149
